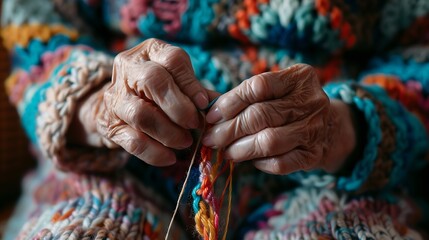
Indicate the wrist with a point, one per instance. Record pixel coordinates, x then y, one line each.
342 135
83 128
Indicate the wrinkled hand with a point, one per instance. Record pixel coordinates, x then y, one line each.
283 121
150 105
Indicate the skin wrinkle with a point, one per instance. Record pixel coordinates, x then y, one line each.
254 117
256 131
150 102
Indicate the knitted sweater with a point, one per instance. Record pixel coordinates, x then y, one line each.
373 55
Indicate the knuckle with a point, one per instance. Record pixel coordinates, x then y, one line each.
249 90
135 147
155 78
135 114
154 44
177 53
306 69
254 118
151 41
173 140
259 86
268 142
272 145
120 58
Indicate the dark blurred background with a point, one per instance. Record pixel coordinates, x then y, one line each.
15 159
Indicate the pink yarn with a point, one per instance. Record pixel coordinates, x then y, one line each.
168 12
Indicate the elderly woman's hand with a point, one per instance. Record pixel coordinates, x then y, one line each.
283 121
149 106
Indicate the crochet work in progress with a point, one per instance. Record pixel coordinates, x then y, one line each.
205 204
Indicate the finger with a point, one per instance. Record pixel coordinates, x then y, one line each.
142 146
178 64
287 163
150 80
262 87
266 143
146 117
212 94
253 119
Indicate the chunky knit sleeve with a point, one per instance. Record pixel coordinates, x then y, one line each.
54 64
393 98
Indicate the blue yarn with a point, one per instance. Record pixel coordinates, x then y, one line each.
150 25
192 181
196 198
29 56
136 215
411 137
96 200
205 68
259 214
364 167
30 112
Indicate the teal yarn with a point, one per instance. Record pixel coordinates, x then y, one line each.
206 68
412 140
27 57
31 55
150 26
36 94
364 167
30 110
196 20
293 25
196 198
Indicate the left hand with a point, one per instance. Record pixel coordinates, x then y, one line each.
282 121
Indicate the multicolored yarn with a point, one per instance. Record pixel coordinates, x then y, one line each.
205 204
403 69
318 213
409 95
374 136
391 132
78 206
70 82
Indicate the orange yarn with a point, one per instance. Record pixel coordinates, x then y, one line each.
398 91
23 34
337 21
207 216
323 7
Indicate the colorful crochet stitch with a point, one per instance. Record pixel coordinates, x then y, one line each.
372 55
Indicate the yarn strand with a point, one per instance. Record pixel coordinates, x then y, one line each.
186 180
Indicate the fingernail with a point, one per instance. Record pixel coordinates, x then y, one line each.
214 115
201 100
208 141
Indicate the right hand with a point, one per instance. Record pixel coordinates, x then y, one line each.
151 103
